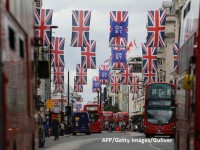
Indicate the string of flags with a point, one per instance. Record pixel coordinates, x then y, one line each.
118 41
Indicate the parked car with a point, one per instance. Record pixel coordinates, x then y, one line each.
81 123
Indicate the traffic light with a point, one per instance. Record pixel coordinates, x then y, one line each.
68 110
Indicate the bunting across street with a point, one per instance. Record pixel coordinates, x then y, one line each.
59 88
118 59
149 55
80 28
82 73
134 88
88 55
95 84
104 73
57 52
58 75
43 20
126 75
115 84
156 28
77 86
118 28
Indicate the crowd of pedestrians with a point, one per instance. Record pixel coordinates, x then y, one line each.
125 126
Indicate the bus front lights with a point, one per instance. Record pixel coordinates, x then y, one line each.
146 127
173 128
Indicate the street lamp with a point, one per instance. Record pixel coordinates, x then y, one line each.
51 27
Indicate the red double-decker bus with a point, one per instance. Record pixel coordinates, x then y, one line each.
119 117
188 79
107 117
95 112
159 109
17 123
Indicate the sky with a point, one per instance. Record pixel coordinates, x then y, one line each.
99 30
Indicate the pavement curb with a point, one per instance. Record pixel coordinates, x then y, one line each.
51 138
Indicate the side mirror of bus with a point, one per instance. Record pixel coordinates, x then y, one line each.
188 80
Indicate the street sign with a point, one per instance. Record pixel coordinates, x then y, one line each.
49 104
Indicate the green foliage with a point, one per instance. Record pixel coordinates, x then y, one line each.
112 108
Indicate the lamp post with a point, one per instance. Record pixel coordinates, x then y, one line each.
52 27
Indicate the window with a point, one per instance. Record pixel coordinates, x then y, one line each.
11 38
159 62
21 48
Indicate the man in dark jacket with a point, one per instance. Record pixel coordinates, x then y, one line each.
55 128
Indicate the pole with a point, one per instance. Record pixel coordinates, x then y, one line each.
50 70
100 97
50 75
115 103
68 122
128 97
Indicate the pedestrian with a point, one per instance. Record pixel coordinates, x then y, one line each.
110 127
55 128
62 128
136 128
46 125
123 126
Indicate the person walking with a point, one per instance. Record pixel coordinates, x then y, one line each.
55 128
123 126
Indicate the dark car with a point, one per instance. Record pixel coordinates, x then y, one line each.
81 123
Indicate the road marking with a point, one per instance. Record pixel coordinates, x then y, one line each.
154 147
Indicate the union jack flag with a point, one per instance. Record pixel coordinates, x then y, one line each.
118 28
59 88
82 72
156 28
149 63
126 76
95 84
43 20
104 72
78 106
88 55
115 84
118 59
58 75
130 45
80 28
134 88
175 53
57 52
77 86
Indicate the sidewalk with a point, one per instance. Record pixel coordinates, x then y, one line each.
136 134
51 138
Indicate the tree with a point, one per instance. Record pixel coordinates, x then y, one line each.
112 108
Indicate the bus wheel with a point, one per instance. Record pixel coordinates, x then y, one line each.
74 133
147 135
88 133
